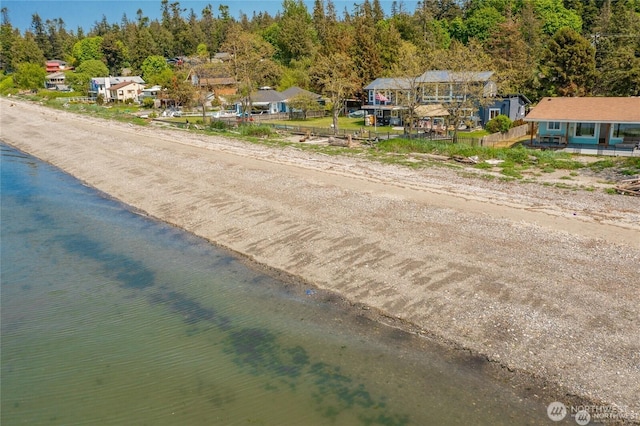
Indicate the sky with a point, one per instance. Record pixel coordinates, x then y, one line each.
85 13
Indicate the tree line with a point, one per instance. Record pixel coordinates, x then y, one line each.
536 47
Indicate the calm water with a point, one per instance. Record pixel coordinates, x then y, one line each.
113 319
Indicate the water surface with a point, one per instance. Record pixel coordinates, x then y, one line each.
111 318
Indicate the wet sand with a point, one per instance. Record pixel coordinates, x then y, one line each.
542 282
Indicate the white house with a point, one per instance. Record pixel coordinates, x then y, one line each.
124 91
101 85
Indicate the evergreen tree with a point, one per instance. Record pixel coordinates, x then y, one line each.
568 66
40 35
26 50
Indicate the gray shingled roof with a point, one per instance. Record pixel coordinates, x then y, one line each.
294 91
391 83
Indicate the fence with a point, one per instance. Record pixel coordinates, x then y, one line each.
362 134
75 99
497 138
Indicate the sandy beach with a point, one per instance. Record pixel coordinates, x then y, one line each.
542 282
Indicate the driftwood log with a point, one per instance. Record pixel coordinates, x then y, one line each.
629 186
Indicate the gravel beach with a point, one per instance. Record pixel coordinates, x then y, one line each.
542 282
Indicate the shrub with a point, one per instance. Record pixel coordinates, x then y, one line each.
253 130
218 125
148 102
501 124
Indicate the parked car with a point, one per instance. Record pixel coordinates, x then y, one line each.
358 114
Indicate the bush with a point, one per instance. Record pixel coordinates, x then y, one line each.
501 124
148 102
218 125
253 130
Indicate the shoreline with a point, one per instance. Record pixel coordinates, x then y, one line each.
478 267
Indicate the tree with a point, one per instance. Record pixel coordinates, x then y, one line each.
336 78
555 16
296 35
466 67
407 71
481 23
512 57
617 40
180 90
568 67
26 50
304 102
79 79
29 76
41 38
364 51
250 63
152 68
8 36
115 53
87 49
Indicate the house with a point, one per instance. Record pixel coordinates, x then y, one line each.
151 92
599 121
385 115
101 85
265 100
54 80
127 90
56 65
432 87
294 91
514 106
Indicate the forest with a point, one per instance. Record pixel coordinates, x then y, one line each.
535 47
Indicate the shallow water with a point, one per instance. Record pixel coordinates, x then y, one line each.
111 318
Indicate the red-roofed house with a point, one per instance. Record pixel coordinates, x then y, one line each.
56 65
124 91
600 121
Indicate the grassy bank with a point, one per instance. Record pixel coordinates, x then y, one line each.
517 163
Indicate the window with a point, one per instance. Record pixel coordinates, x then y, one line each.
553 125
585 129
493 113
626 130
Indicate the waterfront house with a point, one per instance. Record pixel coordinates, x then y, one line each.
125 91
55 81
101 85
264 101
56 65
601 121
387 97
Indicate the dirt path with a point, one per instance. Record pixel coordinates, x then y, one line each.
541 280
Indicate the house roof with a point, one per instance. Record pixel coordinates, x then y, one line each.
266 96
121 85
594 109
118 80
217 81
294 91
389 83
55 76
435 76
445 76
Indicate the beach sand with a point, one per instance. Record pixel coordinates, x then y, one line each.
541 282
